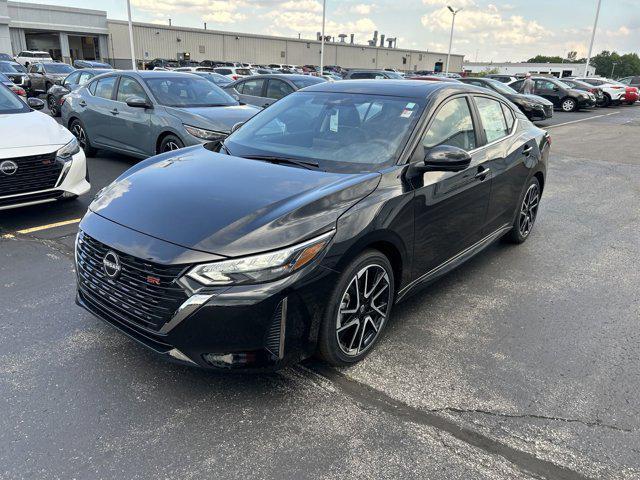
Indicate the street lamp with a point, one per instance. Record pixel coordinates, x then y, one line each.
453 21
324 16
613 68
133 55
593 36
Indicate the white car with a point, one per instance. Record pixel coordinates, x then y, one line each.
27 57
40 160
614 92
193 69
234 73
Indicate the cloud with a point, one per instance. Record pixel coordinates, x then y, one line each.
454 3
362 8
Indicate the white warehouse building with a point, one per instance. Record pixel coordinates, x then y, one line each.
556 69
76 33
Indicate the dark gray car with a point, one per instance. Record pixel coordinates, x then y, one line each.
364 74
45 75
263 90
148 112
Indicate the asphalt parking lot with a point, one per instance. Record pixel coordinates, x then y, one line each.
523 363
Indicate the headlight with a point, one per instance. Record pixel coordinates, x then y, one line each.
69 150
261 268
531 105
205 134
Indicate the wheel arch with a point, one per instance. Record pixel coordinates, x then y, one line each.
162 135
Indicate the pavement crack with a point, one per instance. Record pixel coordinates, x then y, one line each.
596 423
372 398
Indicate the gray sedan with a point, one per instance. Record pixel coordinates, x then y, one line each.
149 112
263 90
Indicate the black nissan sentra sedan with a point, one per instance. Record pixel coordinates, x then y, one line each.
299 232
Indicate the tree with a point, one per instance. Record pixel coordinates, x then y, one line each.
545 59
625 65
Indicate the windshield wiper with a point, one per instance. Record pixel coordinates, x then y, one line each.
309 165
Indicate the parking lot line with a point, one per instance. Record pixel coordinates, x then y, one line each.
49 226
582 120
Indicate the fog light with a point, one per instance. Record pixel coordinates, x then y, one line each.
230 359
68 195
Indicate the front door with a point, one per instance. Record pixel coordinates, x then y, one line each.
450 207
252 92
130 125
549 90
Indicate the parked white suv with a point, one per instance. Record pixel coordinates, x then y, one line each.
613 91
40 160
27 57
234 73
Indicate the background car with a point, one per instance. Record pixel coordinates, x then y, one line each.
27 57
631 81
40 161
92 64
502 78
215 78
161 63
299 233
44 75
5 57
585 87
433 78
56 94
193 69
234 73
361 74
143 113
560 94
614 92
6 81
533 106
263 90
16 73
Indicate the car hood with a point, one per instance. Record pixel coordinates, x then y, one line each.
530 98
227 205
31 129
220 119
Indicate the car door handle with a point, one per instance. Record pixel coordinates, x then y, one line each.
482 174
527 150
82 103
114 111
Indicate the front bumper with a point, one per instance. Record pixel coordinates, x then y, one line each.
538 112
250 327
586 102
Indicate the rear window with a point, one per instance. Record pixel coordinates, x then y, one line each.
243 71
305 82
104 87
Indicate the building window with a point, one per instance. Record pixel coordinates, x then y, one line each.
283 54
420 57
201 49
308 45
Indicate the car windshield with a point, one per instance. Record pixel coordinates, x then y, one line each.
339 131
501 87
58 68
9 68
305 82
10 102
188 91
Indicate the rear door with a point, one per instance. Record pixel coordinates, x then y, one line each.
252 91
549 90
450 207
277 89
97 115
131 126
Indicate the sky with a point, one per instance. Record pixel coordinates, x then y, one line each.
492 30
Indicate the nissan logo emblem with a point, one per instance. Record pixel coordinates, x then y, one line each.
8 167
111 265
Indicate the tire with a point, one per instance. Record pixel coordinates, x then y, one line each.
358 310
170 143
78 131
526 212
54 108
569 104
607 100
47 86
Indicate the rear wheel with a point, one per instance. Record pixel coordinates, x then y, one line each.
80 133
569 105
170 143
358 310
527 213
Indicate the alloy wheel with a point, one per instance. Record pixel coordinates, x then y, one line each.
529 210
170 146
53 108
363 310
568 105
78 132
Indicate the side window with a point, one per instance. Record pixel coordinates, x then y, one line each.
453 126
277 89
509 116
84 78
477 83
544 85
72 79
363 75
128 88
224 71
517 86
252 87
492 117
92 88
104 87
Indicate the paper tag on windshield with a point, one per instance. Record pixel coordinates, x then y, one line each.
333 122
410 105
406 113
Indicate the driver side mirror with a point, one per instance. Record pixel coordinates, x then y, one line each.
138 102
35 103
445 158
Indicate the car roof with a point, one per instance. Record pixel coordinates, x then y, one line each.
396 88
154 73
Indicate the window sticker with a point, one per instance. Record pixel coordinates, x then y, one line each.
406 113
410 105
333 122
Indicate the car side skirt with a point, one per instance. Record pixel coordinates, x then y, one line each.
453 262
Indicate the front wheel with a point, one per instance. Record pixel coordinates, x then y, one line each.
78 131
569 105
358 310
170 143
527 214
54 110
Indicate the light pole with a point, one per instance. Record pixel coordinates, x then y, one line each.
133 54
324 16
593 36
453 21
613 68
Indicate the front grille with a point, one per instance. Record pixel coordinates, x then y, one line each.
34 173
30 198
276 332
130 297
